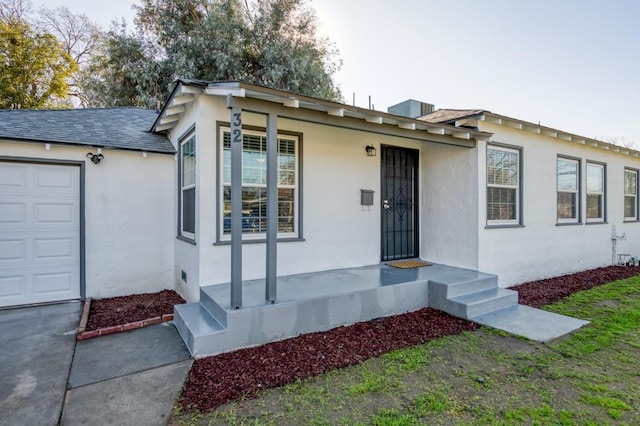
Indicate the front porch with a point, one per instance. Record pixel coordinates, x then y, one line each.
323 300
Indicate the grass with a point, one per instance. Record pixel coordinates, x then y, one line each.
589 377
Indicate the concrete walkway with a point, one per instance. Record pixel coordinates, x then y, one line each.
129 378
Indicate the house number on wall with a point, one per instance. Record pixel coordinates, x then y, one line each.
237 125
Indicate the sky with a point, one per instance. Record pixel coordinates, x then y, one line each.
573 65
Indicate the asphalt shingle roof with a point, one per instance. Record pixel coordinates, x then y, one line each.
122 128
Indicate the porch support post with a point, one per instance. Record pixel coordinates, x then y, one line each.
272 207
236 206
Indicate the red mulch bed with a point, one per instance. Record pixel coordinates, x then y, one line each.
125 309
217 380
551 290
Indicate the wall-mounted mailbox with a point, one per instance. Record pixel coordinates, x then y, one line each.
366 197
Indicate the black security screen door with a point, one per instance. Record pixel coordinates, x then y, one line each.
399 203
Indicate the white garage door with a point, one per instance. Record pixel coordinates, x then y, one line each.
39 233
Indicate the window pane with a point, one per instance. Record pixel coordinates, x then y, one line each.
502 167
501 204
594 206
254 210
254 155
630 207
630 182
595 178
567 175
189 162
567 205
189 210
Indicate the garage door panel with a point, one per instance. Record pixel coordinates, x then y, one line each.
12 250
13 213
54 248
13 178
54 213
13 287
53 283
57 178
39 233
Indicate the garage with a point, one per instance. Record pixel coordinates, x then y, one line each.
40 232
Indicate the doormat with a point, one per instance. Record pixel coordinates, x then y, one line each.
406 264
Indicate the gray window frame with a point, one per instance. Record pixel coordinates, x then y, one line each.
602 219
181 234
578 219
624 195
518 222
221 238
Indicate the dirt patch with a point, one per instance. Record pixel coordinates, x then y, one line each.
114 311
217 380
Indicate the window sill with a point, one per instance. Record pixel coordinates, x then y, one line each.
597 223
186 240
630 221
260 241
568 223
506 225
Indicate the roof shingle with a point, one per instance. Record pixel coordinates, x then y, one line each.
121 128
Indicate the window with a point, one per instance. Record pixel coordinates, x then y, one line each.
630 194
595 192
254 184
503 185
187 194
568 190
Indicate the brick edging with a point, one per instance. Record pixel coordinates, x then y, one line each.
83 334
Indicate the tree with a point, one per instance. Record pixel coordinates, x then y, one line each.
34 67
81 39
266 42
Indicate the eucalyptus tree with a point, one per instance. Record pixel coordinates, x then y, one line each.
268 42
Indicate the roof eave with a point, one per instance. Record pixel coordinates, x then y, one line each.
517 124
172 111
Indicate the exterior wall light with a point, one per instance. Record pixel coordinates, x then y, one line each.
371 150
95 158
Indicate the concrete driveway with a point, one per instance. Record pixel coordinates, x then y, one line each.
36 350
47 378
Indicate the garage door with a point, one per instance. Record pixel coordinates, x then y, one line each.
39 233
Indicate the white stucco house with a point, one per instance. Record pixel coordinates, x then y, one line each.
355 187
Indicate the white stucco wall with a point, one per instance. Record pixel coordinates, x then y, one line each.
129 218
337 231
541 248
449 205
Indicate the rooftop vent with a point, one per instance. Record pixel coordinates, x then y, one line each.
411 108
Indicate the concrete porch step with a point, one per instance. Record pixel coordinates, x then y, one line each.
534 324
457 288
471 305
195 324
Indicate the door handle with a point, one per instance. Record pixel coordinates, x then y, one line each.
385 205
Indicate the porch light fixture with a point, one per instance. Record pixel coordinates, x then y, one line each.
371 150
95 158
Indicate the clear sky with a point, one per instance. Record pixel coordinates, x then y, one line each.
569 64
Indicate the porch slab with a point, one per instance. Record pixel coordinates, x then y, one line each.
307 303
323 284
534 324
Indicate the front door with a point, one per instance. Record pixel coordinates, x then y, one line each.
399 203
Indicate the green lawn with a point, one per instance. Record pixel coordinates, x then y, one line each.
591 377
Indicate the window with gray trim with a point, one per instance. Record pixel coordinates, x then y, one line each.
254 188
188 187
503 185
596 197
568 182
630 194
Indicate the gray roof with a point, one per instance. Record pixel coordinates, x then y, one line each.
449 115
121 128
